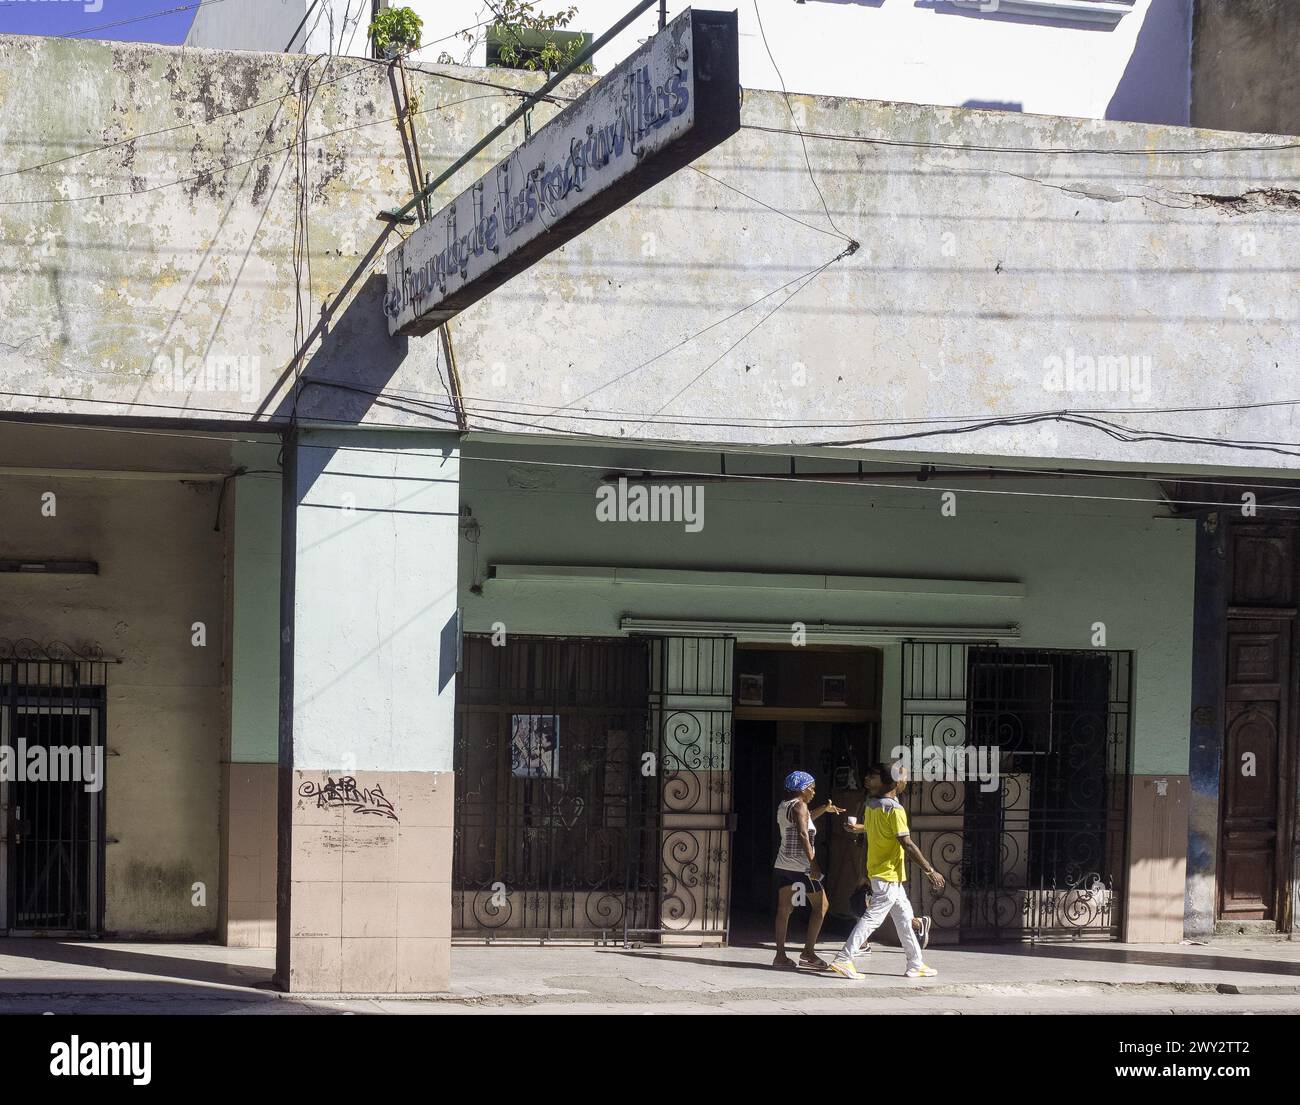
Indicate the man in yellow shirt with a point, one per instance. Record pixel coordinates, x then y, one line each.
888 842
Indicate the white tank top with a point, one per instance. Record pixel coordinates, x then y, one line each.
791 856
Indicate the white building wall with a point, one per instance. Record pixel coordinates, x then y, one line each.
1028 55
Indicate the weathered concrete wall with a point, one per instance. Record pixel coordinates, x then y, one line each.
161 569
982 278
1246 65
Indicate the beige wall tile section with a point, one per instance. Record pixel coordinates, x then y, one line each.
423 965
424 909
317 909
266 874
245 878
1157 872
315 965
370 852
308 810
369 909
424 854
369 966
317 854
444 793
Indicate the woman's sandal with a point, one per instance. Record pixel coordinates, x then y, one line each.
814 963
785 962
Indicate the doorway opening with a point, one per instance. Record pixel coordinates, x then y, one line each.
52 741
814 709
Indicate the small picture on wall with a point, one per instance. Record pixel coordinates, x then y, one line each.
750 690
534 746
835 689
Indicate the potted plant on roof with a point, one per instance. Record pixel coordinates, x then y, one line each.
395 32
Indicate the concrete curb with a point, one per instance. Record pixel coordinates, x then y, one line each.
82 988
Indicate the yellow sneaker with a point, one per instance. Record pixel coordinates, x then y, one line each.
846 969
921 972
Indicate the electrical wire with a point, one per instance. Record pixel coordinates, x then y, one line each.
735 477
377 68
790 108
1050 151
140 18
701 374
1128 435
208 173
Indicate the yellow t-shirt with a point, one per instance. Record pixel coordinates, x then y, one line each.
886 822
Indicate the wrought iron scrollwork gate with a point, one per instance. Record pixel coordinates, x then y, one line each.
52 737
593 788
1040 853
691 701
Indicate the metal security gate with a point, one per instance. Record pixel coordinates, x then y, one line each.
556 815
52 776
1035 850
691 714
593 788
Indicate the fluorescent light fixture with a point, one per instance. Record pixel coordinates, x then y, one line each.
760 580
817 632
51 567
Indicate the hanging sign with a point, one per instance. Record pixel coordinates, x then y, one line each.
676 97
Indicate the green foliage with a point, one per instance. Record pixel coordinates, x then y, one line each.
396 27
528 39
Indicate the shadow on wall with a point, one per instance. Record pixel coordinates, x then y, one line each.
986 9
1157 85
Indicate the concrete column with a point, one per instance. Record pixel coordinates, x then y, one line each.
1209 685
369 641
1157 861
250 775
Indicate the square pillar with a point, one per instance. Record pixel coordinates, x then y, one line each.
250 775
369 644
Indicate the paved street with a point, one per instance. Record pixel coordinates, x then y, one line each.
64 977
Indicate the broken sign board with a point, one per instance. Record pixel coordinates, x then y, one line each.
676 97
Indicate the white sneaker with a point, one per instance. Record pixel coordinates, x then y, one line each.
921 972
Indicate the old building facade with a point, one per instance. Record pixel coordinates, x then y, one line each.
381 650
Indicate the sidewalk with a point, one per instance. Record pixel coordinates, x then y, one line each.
118 977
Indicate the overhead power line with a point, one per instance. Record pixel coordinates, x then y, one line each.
140 18
372 66
1109 151
736 477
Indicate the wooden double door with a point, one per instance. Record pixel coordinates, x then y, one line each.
1257 788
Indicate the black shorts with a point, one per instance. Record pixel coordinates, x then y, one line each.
798 878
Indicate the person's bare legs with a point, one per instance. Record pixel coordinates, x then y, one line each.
818 905
784 907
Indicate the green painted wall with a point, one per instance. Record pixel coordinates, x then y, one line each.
255 603
1081 561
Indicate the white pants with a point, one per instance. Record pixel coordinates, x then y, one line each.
888 899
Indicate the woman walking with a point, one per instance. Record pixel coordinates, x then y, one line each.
797 872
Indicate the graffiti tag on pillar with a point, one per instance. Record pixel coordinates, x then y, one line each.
344 793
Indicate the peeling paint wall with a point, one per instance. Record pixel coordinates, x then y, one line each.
161 570
986 282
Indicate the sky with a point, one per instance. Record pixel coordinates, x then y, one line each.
165 20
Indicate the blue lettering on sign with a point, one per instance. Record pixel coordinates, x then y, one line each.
646 107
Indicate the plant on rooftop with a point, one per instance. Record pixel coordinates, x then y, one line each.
395 31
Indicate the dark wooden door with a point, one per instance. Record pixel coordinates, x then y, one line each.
1259 725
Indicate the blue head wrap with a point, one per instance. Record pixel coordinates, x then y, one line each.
798 780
